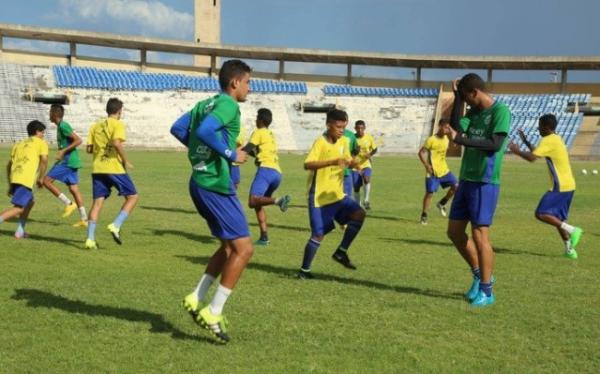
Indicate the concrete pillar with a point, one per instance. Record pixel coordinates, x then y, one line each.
349 74
72 54
563 80
213 65
1 39
281 69
207 26
489 75
143 59
418 77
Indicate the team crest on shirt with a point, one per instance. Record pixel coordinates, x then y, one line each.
487 120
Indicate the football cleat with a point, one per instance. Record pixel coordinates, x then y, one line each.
471 294
284 202
80 223
216 325
483 300
191 304
90 244
305 274
342 258
442 209
69 209
572 254
115 232
367 205
262 242
575 237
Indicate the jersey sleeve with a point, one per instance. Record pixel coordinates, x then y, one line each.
225 111
543 149
65 129
119 132
428 143
501 120
256 137
43 149
373 144
313 154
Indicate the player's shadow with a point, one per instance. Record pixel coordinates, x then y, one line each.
449 245
298 206
169 210
47 239
291 273
42 299
285 227
188 235
388 218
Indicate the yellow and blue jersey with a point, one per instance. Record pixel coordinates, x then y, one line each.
553 149
25 160
325 185
101 136
366 145
437 148
266 155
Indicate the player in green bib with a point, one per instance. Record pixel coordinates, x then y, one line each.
67 166
210 131
483 132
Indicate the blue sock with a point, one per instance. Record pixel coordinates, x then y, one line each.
486 288
92 230
352 229
120 219
476 273
309 253
21 227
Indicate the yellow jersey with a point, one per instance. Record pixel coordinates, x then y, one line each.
266 154
101 136
437 148
554 150
325 185
241 139
25 160
366 145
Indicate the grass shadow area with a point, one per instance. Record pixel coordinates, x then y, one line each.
42 299
291 273
41 238
286 227
169 210
188 235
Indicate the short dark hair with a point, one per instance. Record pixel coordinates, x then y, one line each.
264 116
34 126
548 121
470 83
231 70
58 109
360 122
443 121
113 106
335 115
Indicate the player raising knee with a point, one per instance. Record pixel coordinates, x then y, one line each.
553 208
209 131
26 167
361 176
436 167
326 162
66 168
262 145
105 141
483 132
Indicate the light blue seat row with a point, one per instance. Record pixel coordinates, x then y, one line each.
346 90
88 77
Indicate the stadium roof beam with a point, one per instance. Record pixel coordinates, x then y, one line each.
303 55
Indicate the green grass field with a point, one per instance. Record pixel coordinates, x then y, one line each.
117 309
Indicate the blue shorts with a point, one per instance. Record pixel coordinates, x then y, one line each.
102 183
433 183
321 219
556 204
348 185
475 202
21 195
265 182
357 177
236 175
65 174
223 213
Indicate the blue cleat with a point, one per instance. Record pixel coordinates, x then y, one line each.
474 290
483 300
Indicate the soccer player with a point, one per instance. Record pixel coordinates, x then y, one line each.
326 162
105 141
236 174
262 145
553 208
438 172
483 132
66 168
27 165
362 174
209 131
